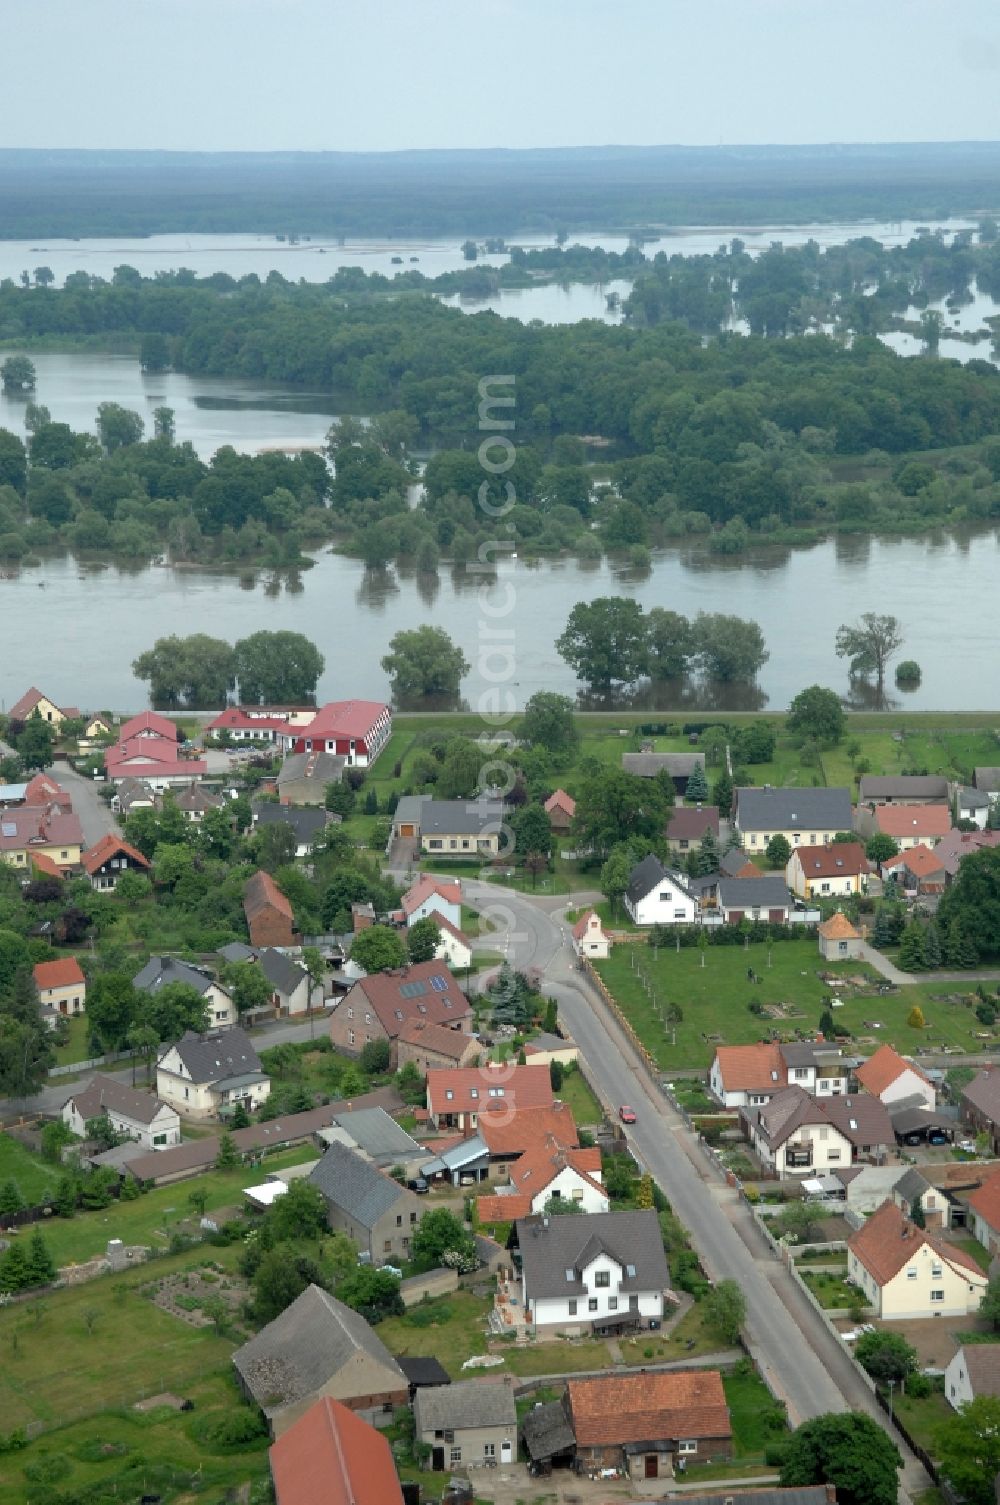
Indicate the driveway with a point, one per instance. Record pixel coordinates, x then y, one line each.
891 972
96 817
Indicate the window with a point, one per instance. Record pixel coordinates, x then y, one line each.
666 896
630 1271
350 1013
687 1445
456 1455
350 1037
453 844
602 1278
387 1246
800 1073
592 1304
413 1218
678 914
435 846
449 1095
489 1449
936 1272
399 1220
937 1295
571 1305
473 1091
612 1303
570 1274
368 1018
911 1274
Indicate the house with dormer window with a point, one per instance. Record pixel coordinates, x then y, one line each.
457 1097
377 1006
906 1271
797 1135
604 1273
657 896
205 1076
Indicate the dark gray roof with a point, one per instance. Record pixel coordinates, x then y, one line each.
550 1248
766 892
861 1119
450 817
355 1186
648 765
282 972
379 1135
237 951
547 1431
903 786
912 1184
732 861
104 1093
983 1092
160 970
793 810
305 820
647 874
326 768
988 779
466 1404
216 1056
973 799
812 1053
423 1371
301 1350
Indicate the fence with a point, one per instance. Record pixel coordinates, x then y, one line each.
72 1067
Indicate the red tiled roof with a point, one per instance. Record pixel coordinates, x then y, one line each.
888 1240
690 822
261 892
498 1209
435 1038
343 718
986 1200
580 928
841 859
27 826
22 709
881 1069
913 820
839 928
331 1456
751 1068
395 997
146 723
64 973
42 790
623 1408
43 864
485 1089
266 718
542 1162
921 861
110 846
425 886
443 923
528 1126
560 800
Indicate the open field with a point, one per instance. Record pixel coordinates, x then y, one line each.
715 997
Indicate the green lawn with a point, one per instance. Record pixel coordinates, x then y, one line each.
450 1328
973 1247
752 1411
577 1095
923 1418
154 1216
830 1290
714 999
34 1176
77 1047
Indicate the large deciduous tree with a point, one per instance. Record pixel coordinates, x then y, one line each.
424 661
816 713
968 1446
378 949
605 642
197 671
847 1449
277 668
118 427
728 648
870 644
670 643
17 374
548 722
971 906
614 806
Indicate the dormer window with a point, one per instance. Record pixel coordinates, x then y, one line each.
473 1091
630 1271
570 1275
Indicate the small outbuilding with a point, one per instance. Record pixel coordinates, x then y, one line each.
839 940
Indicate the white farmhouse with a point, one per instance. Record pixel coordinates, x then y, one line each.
606 1272
204 1076
973 1371
657 896
136 1115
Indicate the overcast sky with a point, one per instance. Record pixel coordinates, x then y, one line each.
358 75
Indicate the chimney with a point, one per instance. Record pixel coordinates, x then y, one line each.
831 1494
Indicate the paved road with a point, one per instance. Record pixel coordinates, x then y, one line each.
805 1364
96 818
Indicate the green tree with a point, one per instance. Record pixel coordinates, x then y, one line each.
973 899
373 1293
276 846
880 848
277 1282
438 1234
532 832
118 427
669 643
375 1057
164 427
728 648
968 1446
247 985
422 940
41 1266
605 642
17 374
817 714
277 668
175 1008
849 1450
548 722
696 792
614 806
778 851
615 873
911 956
112 1008
301 1213
13 467
197 671
722 795
10 1198
886 1356
378 949
725 1310
989 1308
424 661
35 743
228 1156
870 644
154 352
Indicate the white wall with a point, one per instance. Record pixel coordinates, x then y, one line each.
573 1188
666 904
437 904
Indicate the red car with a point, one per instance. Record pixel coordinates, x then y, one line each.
626 1114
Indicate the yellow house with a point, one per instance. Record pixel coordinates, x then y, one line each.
828 872
33 700
95 733
804 817
62 987
905 1271
452 828
40 831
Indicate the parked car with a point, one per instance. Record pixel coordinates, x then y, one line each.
937 1136
626 1114
418 1184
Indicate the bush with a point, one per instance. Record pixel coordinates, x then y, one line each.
919 1386
233 1429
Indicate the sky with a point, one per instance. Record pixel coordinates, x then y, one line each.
383 75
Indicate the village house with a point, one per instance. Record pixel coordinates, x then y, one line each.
590 939
430 1046
804 817
980 1106
43 790
542 1049
95 732
150 726
765 897
690 824
355 730
507 1136
645 1425
154 759
560 808
891 1078
657 896
917 870
268 913
913 1190
908 825
988 780
290 983
159 971
371 1132
904 789
108 859
460 828
45 830
303 777
543 1178
680 766
906 1271
952 849
205 1076
194 802
839 940
376 1006
973 805
138 1116
866 1187
258 723
133 794
984 1207
734 863
974 1371
453 947
603 1273
375 1211
62 988
318 1347
332 1456
306 822
34 703
744 1076
432 897
469 1424
457 1098
828 872
795 1134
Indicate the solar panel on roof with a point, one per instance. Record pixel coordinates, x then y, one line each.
439 983
412 990
9 828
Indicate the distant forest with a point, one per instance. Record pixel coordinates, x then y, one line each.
443 193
